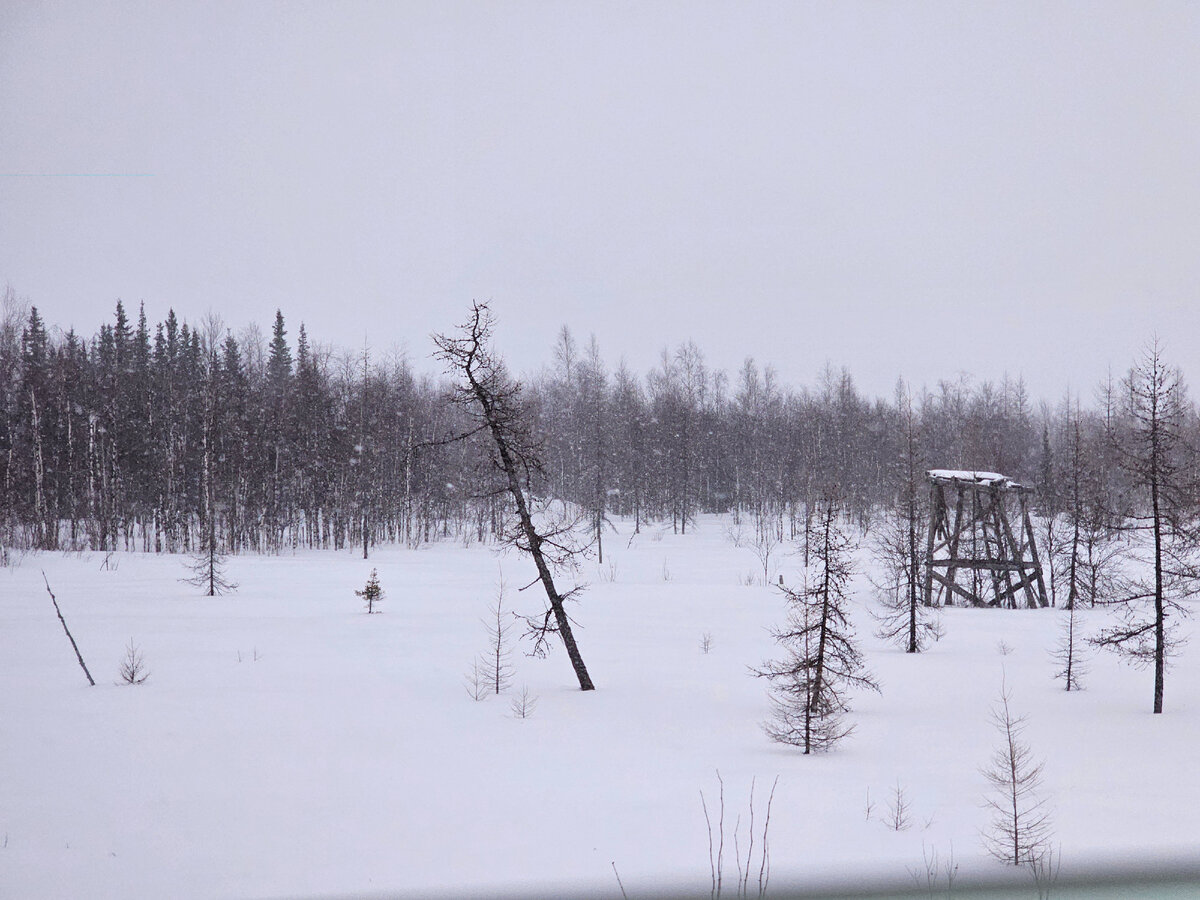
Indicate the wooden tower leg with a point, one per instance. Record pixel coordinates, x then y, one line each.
992 554
1037 565
1009 555
937 512
953 545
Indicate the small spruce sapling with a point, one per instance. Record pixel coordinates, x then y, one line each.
372 593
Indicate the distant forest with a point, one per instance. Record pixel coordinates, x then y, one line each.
149 436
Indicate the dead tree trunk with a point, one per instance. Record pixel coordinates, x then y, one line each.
74 646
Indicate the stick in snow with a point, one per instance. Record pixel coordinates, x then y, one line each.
74 646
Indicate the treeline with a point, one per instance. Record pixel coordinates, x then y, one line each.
150 437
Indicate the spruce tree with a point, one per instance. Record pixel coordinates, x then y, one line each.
372 593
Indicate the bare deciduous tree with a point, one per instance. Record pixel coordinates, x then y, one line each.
523 704
133 668
495 662
208 565
493 399
1019 829
1153 451
822 662
1069 652
904 620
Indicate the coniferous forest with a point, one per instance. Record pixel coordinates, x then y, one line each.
150 435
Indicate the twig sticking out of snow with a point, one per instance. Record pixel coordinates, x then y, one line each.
74 646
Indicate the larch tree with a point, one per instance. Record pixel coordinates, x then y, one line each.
1068 653
1150 441
593 413
1019 831
821 661
494 664
493 402
904 619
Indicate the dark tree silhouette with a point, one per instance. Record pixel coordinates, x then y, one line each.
372 593
208 565
493 401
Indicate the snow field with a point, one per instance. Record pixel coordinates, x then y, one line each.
342 753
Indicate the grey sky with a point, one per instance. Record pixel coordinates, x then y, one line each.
799 182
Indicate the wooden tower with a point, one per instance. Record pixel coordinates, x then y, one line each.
998 565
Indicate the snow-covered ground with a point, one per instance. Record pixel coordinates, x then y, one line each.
288 744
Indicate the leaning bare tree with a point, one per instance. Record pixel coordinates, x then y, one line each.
1152 449
492 399
822 661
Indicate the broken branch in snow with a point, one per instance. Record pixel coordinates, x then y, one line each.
74 646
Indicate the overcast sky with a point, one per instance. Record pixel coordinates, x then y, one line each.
904 188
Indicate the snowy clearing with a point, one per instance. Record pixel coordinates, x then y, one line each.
286 743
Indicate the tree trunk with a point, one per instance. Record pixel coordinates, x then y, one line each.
562 622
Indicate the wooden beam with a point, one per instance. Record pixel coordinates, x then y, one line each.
1030 601
1041 584
957 589
981 564
936 509
958 526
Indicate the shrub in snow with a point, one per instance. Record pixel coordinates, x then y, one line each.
477 686
523 704
899 815
759 864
